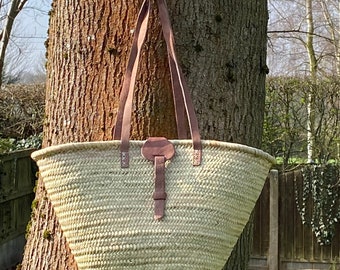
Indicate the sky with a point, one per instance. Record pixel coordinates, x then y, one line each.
27 49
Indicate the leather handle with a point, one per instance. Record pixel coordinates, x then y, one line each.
129 79
182 99
132 66
178 77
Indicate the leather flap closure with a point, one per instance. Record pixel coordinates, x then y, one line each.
158 146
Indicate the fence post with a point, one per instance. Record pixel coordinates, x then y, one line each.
273 251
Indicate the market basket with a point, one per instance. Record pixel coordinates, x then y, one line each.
155 204
106 212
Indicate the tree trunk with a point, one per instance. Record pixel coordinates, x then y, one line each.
222 48
313 69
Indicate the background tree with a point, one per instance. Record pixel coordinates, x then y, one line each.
294 28
222 47
308 31
14 7
286 118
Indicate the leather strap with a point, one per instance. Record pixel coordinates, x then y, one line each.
128 79
178 77
132 66
159 195
181 94
158 150
123 122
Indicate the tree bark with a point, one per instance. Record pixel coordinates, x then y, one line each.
222 48
313 69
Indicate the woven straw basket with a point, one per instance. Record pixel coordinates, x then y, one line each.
106 212
159 204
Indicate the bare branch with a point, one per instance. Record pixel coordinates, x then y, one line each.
300 32
15 7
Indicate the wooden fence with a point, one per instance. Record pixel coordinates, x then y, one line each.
17 180
296 244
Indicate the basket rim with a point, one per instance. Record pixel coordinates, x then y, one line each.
114 144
